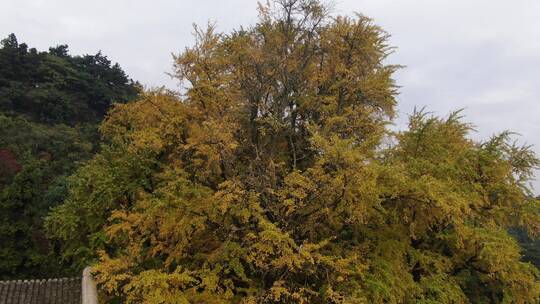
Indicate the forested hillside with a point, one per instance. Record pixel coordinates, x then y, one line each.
50 107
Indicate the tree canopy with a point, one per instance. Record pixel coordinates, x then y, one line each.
50 105
274 178
54 87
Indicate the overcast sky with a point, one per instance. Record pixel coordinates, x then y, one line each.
481 55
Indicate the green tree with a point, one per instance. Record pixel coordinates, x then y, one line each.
50 104
55 87
45 155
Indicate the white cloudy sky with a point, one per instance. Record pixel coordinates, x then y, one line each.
481 55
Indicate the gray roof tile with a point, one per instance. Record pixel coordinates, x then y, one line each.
52 291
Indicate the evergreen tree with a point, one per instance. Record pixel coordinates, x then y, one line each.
54 87
50 104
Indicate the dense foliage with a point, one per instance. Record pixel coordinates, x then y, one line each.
50 103
275 179
55 87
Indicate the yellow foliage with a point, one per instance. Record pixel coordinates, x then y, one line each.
266 181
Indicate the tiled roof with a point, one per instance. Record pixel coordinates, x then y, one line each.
52 291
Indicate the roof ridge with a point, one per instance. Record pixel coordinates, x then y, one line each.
41 280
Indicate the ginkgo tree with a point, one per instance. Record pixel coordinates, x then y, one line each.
269 180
